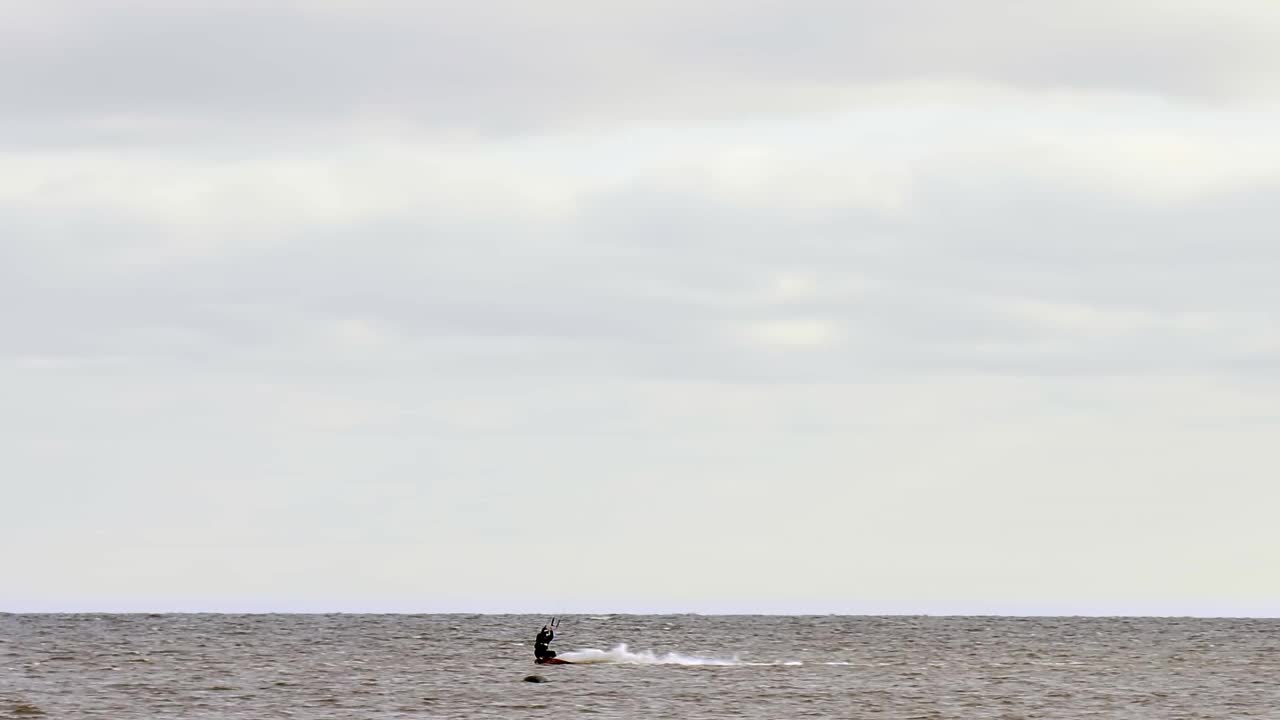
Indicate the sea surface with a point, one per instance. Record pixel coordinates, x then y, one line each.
251 667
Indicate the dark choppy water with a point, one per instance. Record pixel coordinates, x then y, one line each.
452 666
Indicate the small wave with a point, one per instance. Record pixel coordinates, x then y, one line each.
620 655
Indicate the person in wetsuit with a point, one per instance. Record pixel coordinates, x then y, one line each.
540 651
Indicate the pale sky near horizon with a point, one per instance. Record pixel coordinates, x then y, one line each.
871 306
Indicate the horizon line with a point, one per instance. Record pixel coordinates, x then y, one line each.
657 613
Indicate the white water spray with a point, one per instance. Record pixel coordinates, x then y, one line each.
620 655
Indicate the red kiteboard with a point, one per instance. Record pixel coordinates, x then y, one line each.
552 661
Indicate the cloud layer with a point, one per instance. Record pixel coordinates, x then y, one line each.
872 292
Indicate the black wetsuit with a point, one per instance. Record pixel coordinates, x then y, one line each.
544 639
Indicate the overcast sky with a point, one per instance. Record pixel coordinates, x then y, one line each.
863 306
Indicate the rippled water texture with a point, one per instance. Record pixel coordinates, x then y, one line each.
685 666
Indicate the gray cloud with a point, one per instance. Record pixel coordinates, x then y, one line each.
1048 280
331 284
147 68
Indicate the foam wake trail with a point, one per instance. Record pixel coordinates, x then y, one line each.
620 655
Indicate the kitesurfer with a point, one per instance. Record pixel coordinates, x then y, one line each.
540 651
